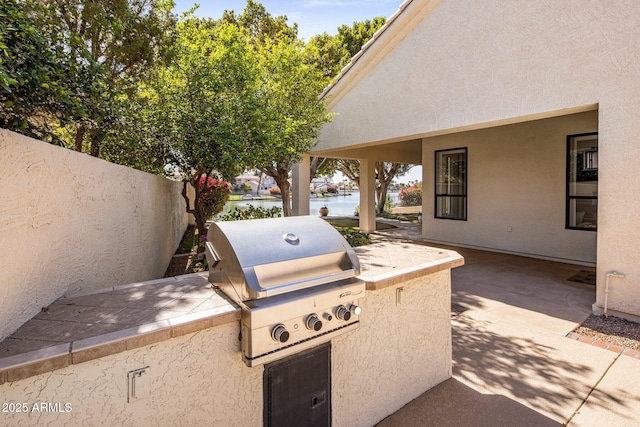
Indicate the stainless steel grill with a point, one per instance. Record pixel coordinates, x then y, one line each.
294 279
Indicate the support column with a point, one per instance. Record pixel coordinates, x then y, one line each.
300 182
367 195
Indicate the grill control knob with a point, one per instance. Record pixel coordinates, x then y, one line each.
313 323
354 309
342 313
279 333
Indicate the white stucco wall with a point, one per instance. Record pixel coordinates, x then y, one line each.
470 65
70 222
475 64
195 380
399 352
516 178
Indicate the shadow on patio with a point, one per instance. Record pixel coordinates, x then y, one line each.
454 404
512 364
493 282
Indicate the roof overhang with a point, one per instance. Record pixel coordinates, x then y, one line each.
408 149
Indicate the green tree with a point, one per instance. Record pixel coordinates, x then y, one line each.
329 56
353 38
205 105
261 24
333 53
322 166
290 114
37 81
246 188
124 39
385 173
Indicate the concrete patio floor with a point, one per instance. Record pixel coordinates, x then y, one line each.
512 361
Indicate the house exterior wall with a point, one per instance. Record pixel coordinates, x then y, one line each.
199 379
471 65
516 178
70 222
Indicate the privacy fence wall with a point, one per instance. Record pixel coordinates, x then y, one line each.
70 223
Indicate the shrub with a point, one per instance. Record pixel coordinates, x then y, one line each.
411 196
387 207
354 237
197 264
251 212
214 193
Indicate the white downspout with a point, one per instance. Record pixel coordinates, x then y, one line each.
606 288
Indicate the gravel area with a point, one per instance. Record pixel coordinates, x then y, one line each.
611 329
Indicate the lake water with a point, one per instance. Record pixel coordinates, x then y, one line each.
338 205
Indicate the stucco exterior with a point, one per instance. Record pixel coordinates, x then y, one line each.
516 186
70 222
399 352
200 379
196 380
452 66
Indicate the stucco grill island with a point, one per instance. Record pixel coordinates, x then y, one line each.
401 338
294 279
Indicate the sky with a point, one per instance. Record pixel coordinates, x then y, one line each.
313 17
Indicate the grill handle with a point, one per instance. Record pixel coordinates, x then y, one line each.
307 283
211 254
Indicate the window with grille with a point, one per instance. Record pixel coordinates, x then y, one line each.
582 182
451 184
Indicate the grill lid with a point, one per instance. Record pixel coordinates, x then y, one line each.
265 257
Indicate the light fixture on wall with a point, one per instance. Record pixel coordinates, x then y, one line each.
590 159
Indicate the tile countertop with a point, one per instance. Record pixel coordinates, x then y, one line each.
389 263
82 327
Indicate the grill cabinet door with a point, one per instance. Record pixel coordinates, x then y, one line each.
297 391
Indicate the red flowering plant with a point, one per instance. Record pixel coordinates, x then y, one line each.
210 198
214 194
411 195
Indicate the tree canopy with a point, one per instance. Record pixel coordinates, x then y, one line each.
206 101
385 172
112 46
204 104
240 93
291 113
333 53
288 115
260 24
38 84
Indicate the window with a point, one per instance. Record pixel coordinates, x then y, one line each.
451 184
582 182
